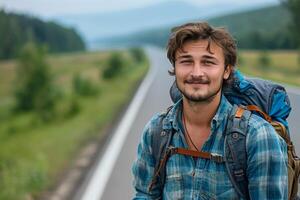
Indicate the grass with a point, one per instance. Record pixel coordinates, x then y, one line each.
284 66
32 153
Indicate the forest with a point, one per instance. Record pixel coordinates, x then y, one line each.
18 29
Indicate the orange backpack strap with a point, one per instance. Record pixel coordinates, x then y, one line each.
257 109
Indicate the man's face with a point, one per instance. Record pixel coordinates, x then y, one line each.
199 74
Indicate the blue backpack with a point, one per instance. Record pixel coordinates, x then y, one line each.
248 96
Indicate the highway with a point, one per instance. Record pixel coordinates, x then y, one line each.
115 181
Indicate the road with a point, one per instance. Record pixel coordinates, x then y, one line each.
119 184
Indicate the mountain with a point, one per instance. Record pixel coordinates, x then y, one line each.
96 26
263 28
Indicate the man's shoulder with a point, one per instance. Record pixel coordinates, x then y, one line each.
256 122
160 121
259 130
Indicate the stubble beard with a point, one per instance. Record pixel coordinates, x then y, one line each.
199 99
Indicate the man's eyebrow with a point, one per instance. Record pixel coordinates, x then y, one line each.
210 57
183 56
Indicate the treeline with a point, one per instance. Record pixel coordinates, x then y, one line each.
265 28
18 29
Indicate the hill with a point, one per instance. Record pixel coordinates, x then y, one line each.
264 28
17 29
101 25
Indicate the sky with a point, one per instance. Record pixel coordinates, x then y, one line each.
52 8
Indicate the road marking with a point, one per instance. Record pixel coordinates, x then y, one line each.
96 186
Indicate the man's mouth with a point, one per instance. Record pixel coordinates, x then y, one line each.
197 81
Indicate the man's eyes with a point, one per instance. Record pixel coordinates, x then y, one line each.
208 62
204 62
185 61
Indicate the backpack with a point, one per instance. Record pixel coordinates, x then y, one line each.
248 96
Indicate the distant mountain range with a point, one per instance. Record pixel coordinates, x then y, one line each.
97 26
263 28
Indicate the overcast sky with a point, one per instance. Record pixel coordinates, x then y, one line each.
50 8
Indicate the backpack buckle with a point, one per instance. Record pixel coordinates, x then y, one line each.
216 157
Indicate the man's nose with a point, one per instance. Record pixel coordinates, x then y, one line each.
197 70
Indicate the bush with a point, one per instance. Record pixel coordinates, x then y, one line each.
264 60
84 87
137 54
35 90
114 66
74 108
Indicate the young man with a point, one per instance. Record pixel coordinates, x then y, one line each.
203 60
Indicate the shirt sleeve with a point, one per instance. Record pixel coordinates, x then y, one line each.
143 167
267 162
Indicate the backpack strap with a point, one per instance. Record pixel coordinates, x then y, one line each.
161 139
235 149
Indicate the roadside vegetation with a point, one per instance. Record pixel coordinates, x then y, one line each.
281 66
44 122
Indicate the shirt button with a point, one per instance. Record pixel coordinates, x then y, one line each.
235 135
193 173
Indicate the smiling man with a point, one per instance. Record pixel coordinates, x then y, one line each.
203 60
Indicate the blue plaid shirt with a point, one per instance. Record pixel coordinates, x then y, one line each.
188 178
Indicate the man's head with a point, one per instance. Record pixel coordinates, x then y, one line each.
201 56
202 30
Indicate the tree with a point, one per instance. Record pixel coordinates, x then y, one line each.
114 66
34 91
294 8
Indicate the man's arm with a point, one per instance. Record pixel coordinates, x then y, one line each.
143 167
267 162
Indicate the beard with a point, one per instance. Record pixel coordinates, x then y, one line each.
199 98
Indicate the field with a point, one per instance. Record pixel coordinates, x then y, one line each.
33 153
279 66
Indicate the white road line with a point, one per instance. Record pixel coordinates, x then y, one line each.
103 171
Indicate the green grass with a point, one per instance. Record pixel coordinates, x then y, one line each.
33 154
284 66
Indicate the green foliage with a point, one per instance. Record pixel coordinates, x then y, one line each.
34 89
74 108
114 67
240 60
283 66
294 8
16 30
23 176
33 155
264 60
83 86
137 54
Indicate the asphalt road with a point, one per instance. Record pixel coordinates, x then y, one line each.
119 185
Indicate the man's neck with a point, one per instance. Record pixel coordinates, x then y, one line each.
201 113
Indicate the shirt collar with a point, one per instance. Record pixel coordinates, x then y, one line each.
170 120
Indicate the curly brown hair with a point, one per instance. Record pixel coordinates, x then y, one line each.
202 30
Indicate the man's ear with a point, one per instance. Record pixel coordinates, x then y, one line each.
227 72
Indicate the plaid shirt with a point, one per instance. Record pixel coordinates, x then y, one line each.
188 178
